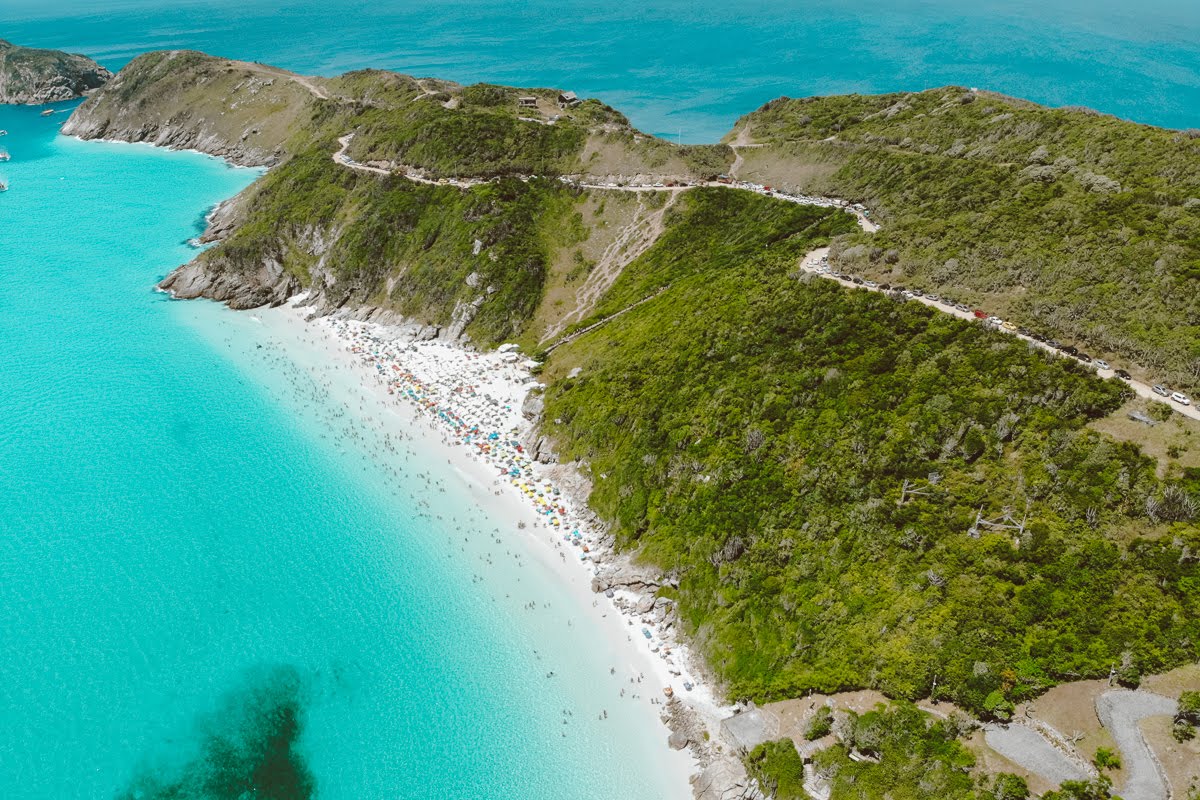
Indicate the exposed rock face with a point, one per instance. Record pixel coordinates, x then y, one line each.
269 285
189 101
33 77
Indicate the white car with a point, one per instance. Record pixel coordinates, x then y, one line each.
1181 398
1100 363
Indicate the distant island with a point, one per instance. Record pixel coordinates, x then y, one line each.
837 495
29 76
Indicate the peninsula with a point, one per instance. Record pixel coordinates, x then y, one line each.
29 76
835 496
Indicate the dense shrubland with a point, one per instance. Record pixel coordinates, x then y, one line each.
753 432
1078 224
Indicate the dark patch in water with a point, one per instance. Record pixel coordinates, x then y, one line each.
247 749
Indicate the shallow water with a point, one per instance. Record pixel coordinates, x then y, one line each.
683 68
210 566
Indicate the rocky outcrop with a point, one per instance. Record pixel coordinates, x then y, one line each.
269 285
32 77
189 101
725 779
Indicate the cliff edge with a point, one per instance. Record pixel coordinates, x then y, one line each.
184 100
29 76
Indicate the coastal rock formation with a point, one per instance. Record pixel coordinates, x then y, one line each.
184 100
29 76
268 285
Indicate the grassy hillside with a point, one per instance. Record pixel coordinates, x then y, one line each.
480 131
362 239
483 258
1076 224
751 431
245 112
807 461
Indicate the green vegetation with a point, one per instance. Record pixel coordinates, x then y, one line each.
809 462
894 752
902 756
1187 717
848 490
1006 786
406 246
1098 789
1106 759
477 139
1079 225
779 769
820 725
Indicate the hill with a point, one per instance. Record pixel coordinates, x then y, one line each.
842 489
29 76
1078 225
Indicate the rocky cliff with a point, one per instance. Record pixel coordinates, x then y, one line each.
31 77
240 111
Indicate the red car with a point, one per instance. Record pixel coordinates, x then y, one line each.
980 314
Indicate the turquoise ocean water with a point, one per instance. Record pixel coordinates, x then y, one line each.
198 545
207 562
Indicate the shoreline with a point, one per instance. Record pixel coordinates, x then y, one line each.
439 419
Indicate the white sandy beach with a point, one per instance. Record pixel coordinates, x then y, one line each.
468 406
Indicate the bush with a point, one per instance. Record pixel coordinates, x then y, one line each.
1008 787
1189 707
836 583
1106 759
1098 789
779 769
821 724
1160 412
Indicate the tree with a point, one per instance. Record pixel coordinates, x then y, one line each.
1105 758
1008 787
1098 789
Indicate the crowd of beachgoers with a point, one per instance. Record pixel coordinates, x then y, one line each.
476 400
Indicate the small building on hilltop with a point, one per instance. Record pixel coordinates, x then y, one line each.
527 102
568 99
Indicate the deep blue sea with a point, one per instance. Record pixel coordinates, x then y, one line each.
682 68
207 561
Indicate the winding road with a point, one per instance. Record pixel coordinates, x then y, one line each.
411 174
814 263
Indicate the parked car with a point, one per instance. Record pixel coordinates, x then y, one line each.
857 280
1160 390
870 284
1101 364
980 314
1123 375
1181 398
885 286
933 297
1008 326
1085 358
